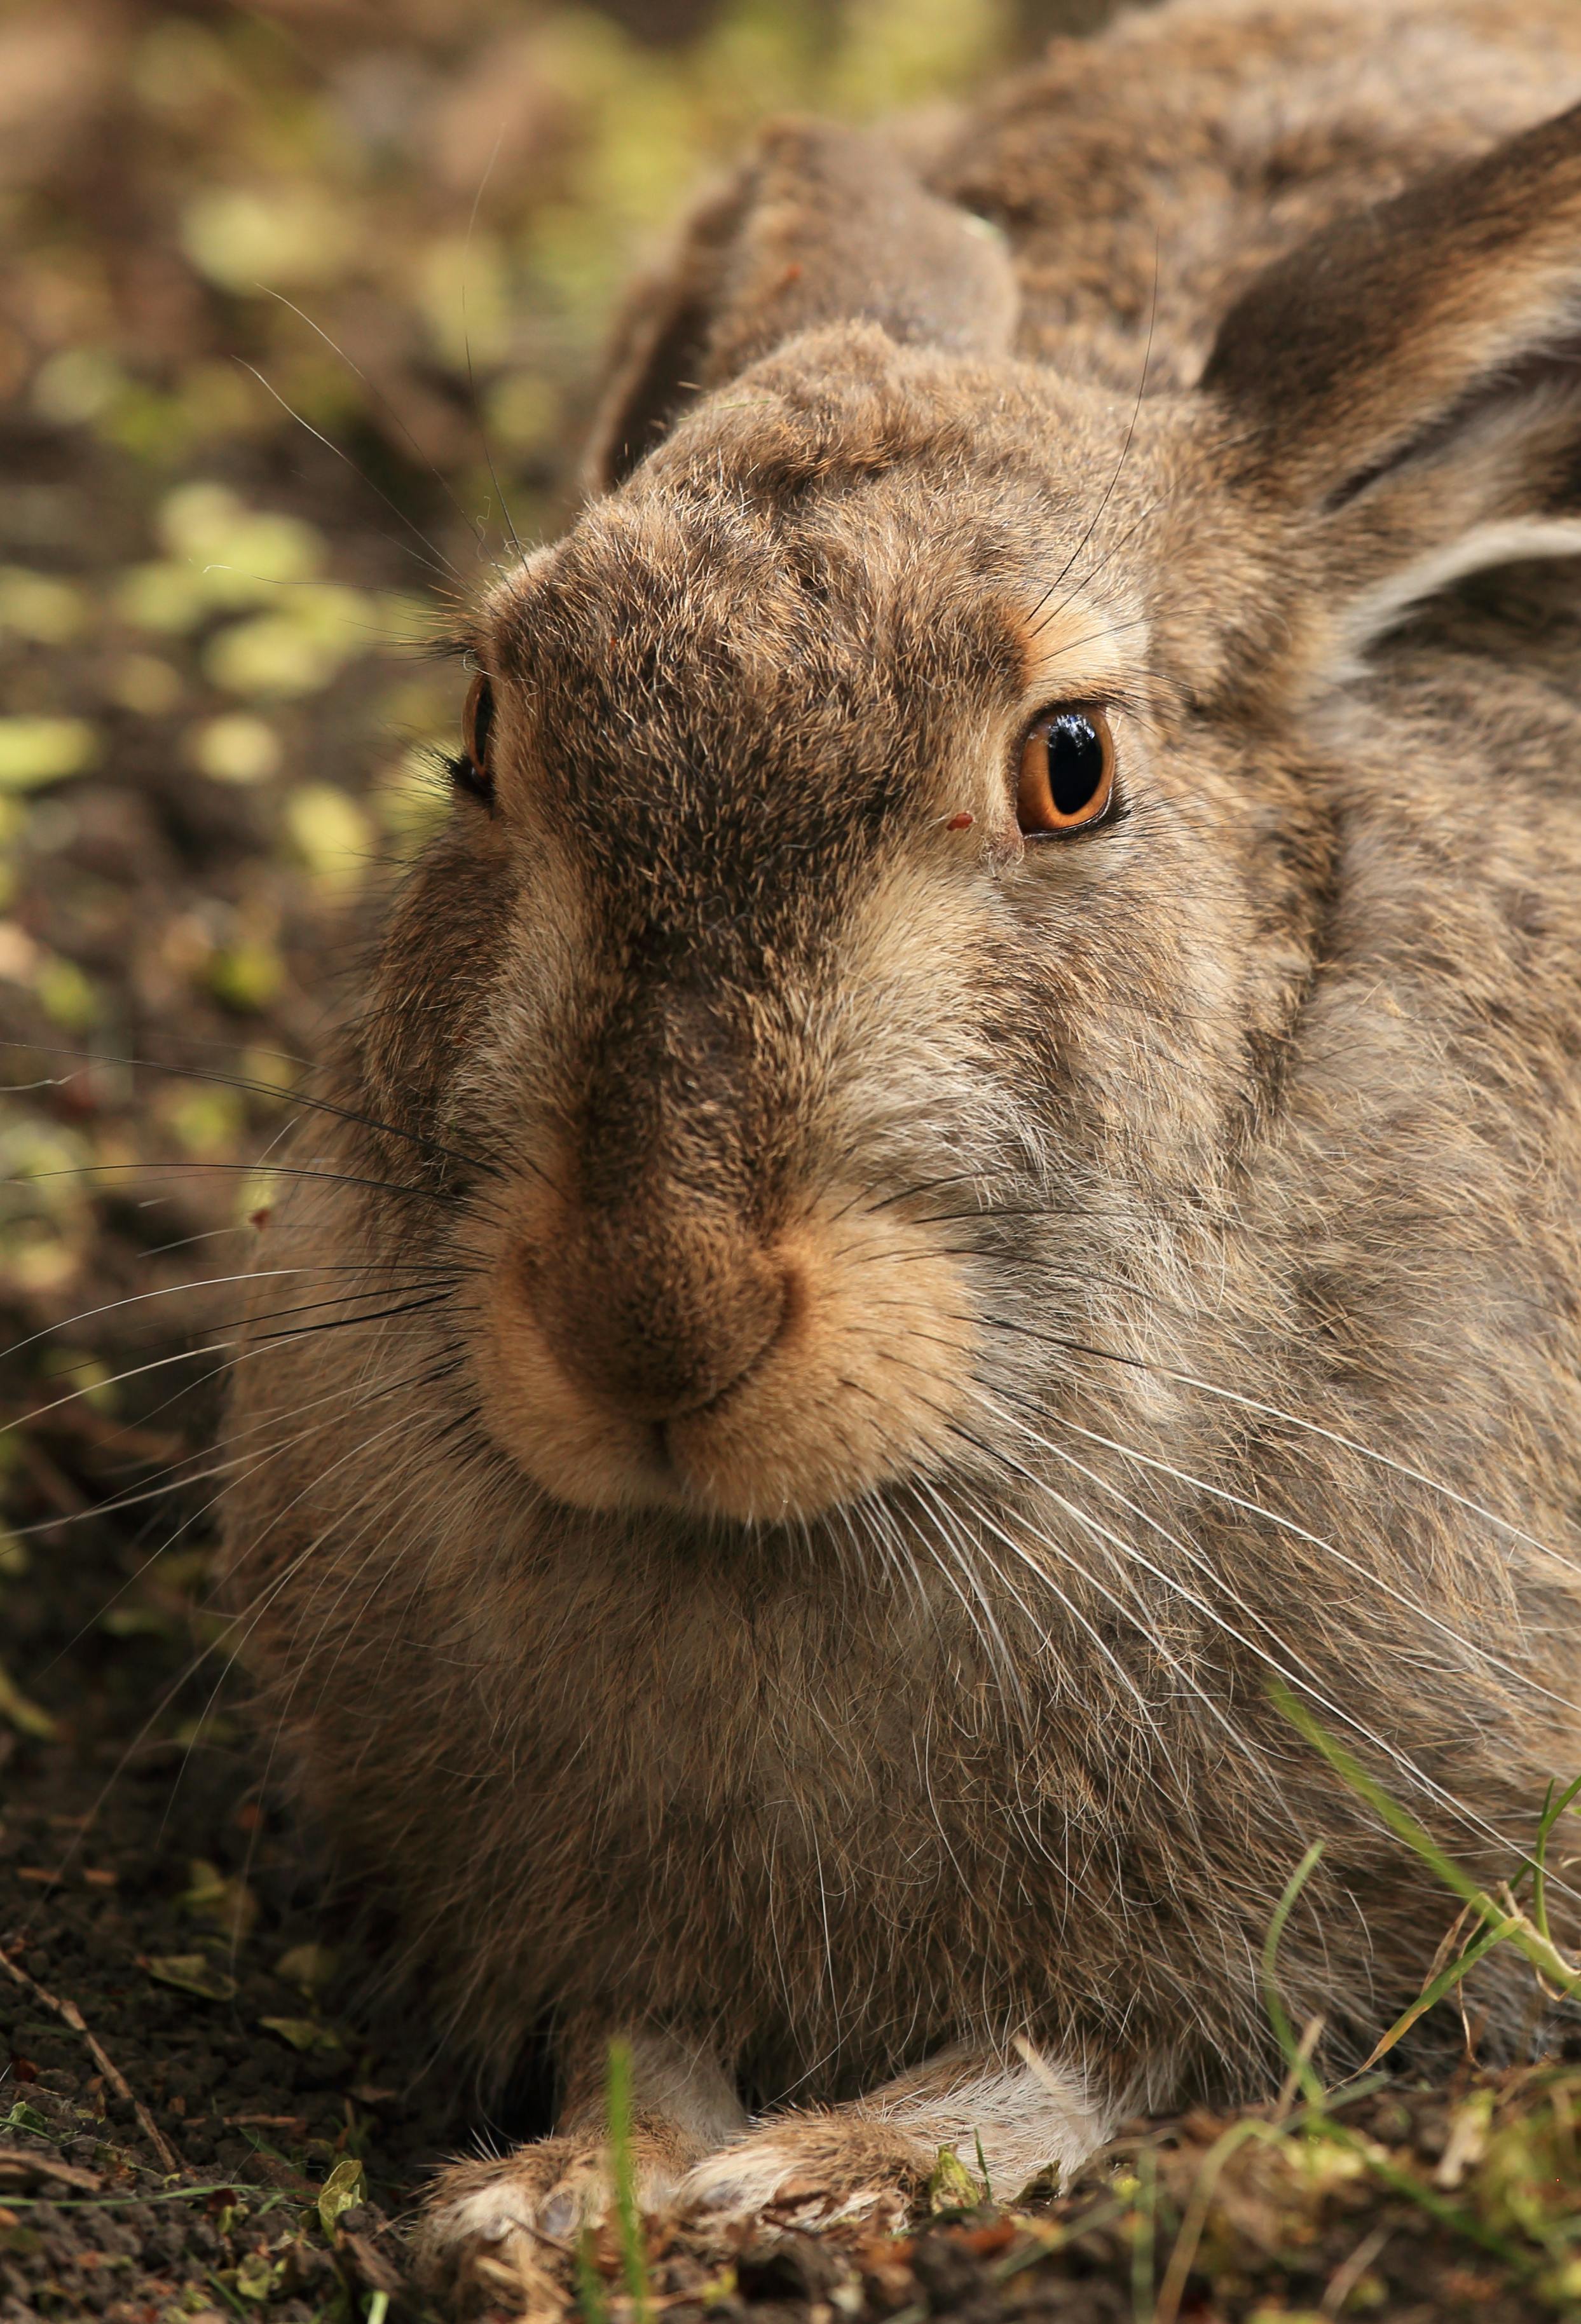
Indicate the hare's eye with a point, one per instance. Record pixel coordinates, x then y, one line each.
1066 779
472 770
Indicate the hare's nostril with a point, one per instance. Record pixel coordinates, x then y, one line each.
657 1324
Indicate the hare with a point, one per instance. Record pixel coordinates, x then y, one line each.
966 1150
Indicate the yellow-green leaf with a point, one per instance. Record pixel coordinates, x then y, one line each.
258 2275
344 2187
245 977
193 1973
307 1965
950 2185
303 2033
39 606
38 750
242 237
276 655
25 1716
329 832
228 1903
235 749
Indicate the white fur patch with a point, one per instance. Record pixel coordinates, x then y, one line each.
1023 2117
1378 609
519 2200
1020 2117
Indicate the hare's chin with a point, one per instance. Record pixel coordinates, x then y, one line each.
862 1390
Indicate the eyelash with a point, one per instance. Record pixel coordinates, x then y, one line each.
466 778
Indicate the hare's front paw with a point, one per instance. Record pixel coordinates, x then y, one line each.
487 2227
812 2169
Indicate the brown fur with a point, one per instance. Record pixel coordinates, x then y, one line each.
902 1332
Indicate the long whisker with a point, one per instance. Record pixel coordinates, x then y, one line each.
1112 1541
983 1618
301 1098
239 1469
1331 1549
1399 1759
196 1663
1293 1420
1018 1550
376 396
1242 1742
232 1169
1119 465
434 559
204 1282
216 1348
466 342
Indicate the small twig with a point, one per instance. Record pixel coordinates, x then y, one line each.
1349 2274
1171 2291
72 2015
1040 2066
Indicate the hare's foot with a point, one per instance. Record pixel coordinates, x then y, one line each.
813 2167
1005 2121
489 2226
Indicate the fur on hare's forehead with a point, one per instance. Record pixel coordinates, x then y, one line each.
823 581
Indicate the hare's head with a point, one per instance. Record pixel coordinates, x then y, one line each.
895 826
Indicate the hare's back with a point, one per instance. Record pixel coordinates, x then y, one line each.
1143 177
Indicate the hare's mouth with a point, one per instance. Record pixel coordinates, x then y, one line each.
678 1367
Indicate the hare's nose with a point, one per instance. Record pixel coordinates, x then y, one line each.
656 1315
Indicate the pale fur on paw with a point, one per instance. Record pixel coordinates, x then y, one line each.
486 2224
812 2168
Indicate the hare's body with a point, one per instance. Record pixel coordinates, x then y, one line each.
901 1330
1146 177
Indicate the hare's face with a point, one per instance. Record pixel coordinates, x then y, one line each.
896 840
849 870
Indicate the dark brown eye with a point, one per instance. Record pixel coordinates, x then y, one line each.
1067 776
472 770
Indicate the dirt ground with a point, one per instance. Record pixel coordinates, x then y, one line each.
289 293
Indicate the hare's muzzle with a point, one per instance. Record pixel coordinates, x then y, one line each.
658 1309
666 1354
674 1316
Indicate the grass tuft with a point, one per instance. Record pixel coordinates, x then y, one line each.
623 2171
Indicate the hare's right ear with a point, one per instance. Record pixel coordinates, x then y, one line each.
1403 395
821 225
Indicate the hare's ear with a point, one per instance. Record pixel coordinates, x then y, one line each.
1404 390
821 225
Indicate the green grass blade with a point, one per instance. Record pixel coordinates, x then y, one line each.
1300 2065
591 2303
1144 2237
1399 1820
1445 1982
623 2171
1552 1810
1517 1928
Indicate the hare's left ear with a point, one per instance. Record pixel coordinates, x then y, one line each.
820 225
1403 392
